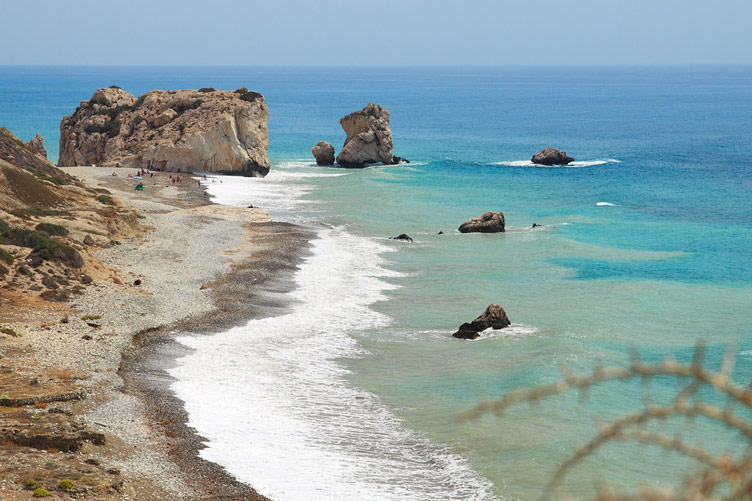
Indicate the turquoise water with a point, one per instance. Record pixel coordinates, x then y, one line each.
665 265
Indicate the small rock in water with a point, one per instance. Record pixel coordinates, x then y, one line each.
440 233
494 317
489 222
536 225
323 152
402 237
552 156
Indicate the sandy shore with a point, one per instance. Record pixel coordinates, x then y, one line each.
202 268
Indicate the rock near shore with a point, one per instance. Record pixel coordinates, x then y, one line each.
494 317
552 156
323 152
489 222
36 143
186 130
369 138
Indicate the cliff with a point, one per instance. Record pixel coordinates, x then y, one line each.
204 130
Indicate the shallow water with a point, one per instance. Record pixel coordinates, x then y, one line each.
645 242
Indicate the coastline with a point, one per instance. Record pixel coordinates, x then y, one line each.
195 267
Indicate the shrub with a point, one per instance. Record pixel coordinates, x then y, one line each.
66 485
53 229
113 113
138 120
33 211
32 483
41 492
138 102
112 128
93 128
107 200
250 96
6 256
207 89
241 90
43 247
113 87
91 317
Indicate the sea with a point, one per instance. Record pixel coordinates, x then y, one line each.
358 390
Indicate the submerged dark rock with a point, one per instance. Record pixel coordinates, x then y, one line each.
403 236
494 317
552 156
489 222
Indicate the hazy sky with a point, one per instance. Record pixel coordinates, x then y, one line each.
376 32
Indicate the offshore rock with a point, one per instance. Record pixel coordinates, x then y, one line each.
494 317
552 156
36 143
177 131
402 236
489 222
369 138
323 152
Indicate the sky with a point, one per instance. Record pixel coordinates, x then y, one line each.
375 33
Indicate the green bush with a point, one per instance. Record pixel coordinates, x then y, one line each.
112 128
138 102
113 113
250 96
6 256
42 246
41 492
113 87
66 485
207 89
106 200
53 229
94 128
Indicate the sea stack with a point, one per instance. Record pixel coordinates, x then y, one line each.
489 222
323 152
494 317
552 156
36 143
369 138
223 132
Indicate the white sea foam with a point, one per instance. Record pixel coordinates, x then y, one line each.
605 204
573 165
272 400
513 331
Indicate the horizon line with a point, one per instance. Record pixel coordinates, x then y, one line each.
377 66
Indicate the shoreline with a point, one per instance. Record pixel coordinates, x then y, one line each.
245 247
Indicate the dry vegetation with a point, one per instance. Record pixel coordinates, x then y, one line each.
726 475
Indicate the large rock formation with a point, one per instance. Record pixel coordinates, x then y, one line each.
323 152
186 130
369 138
489 222
36 143
494 317
552 156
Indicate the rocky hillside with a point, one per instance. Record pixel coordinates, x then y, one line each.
49 226
202 130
